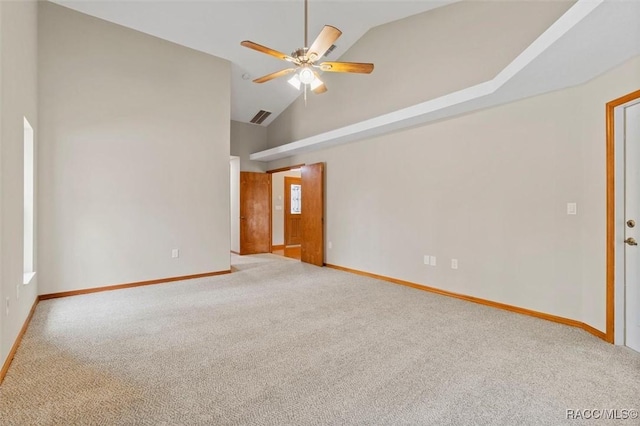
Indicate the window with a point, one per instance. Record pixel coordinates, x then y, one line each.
296 199
28 202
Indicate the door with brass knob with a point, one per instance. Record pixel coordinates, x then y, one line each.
631 135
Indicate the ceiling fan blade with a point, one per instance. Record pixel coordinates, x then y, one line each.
347 67
320 89
323 42
268 51
274 75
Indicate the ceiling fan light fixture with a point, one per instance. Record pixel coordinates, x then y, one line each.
295 81
307 76
315 83
305 58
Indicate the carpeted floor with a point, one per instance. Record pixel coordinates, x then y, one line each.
284 343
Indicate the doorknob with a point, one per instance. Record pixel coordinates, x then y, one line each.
631 241
631 223
242 217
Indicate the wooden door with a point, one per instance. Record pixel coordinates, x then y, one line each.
292 211
313 216
255 213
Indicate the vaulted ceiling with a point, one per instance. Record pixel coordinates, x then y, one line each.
218 26
590 38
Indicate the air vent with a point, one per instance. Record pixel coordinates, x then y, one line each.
260 117
329 50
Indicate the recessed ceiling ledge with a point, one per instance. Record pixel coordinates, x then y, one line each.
479 96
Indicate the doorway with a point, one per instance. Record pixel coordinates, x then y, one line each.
234 202
623 261
286 214
258 207
292 211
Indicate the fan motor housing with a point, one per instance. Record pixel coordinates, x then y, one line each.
301 54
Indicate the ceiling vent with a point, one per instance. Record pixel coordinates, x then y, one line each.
260 117
329 50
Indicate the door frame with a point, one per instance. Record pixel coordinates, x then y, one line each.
234 208
615 208
272 171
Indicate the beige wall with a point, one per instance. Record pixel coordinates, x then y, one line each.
18 99
246 139
134 155
489 189
419 58
277 195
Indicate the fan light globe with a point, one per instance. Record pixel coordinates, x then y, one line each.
306 76
295 81
316 83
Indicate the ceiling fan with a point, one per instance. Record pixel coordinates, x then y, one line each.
304 59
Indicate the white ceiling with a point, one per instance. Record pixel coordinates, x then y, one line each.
218 26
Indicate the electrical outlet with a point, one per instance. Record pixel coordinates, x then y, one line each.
175 253
426 260
454 263
330 245
433 260
7 306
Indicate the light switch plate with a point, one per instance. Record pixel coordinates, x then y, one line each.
278 207
433 260
572 208
175 253
454 263
426 259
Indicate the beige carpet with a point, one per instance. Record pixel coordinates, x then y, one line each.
284 343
